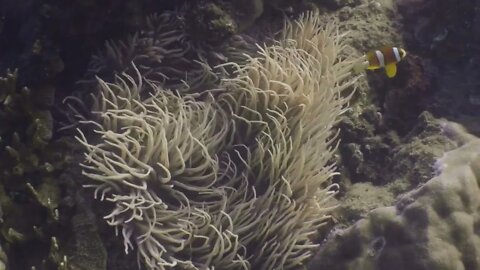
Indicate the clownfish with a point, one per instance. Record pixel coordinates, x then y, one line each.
386 57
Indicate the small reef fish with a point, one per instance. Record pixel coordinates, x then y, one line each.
386 57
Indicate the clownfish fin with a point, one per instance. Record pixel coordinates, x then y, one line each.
391 70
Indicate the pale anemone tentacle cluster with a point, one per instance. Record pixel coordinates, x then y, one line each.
164 53
161 45
231 180
157 164
287 100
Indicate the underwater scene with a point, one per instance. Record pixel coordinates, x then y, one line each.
240 135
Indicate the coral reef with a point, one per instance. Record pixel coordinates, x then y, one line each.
336 4
391 139
226 179
432 227
372 23
214 21
404 164
51 42
366 145
34 188
234 193
369 134
408 95
391 135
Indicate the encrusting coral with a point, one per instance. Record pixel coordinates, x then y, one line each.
431 227
235 178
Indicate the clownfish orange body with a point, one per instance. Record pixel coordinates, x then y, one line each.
387 58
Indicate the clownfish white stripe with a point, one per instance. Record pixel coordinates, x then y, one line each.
380 58
397 54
